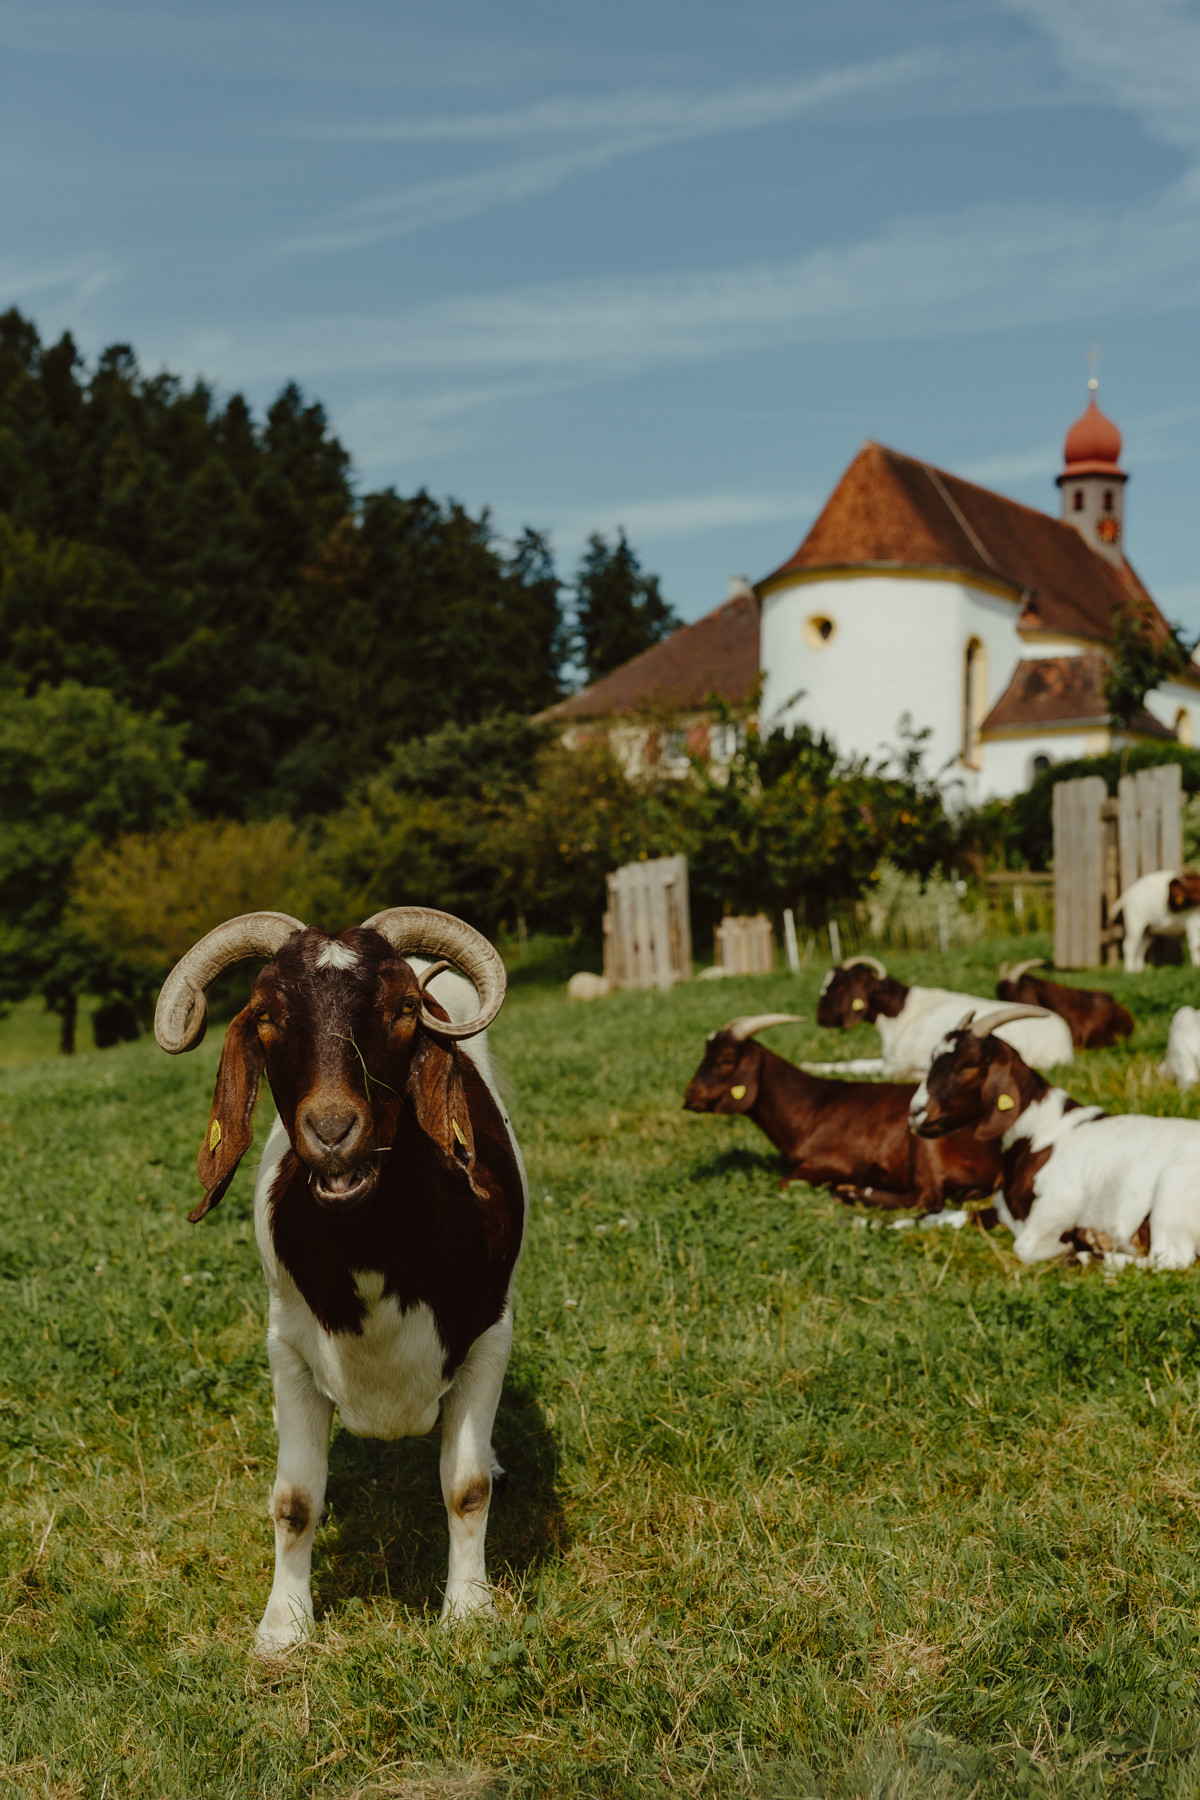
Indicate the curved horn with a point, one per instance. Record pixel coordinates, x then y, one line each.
871 962
181 1016
740 1029
984 1027
422 931
1014 971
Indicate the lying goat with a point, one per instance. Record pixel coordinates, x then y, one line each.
852 1136
1182 1061
389 1208
1096 1021
1071 1173
1165 904
911 1022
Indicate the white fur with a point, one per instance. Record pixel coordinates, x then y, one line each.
914 1037
1109 1174
337 956
1182 1061
386 1382
1143 907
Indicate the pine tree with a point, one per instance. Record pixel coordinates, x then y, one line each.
619 611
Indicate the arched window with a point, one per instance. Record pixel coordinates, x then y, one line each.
1184 729
1108 501
974 701
1077 500
1039 765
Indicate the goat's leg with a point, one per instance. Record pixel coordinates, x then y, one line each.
469 1466
303 1418
886 1198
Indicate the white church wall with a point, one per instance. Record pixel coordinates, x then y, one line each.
866 649
1010 764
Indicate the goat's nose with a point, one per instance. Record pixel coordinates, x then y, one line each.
332 1126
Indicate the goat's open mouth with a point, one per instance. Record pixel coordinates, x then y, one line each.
347 1190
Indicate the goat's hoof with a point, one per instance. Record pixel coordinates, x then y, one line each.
474 1600
282 1628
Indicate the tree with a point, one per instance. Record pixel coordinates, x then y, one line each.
619 611
76 769
1146 654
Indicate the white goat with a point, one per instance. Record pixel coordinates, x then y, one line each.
912 1022
1182 1061
1126 1184
1164 904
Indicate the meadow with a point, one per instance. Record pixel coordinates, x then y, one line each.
799 1505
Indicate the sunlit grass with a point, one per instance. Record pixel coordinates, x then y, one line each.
798 1504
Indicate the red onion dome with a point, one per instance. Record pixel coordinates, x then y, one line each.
1092 438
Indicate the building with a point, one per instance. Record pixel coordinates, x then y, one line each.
986 622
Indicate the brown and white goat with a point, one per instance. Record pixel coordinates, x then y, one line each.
1096 1020
389 1208
852 1136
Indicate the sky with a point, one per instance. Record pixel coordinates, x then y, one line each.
660 265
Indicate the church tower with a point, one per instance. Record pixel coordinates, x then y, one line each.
1092 482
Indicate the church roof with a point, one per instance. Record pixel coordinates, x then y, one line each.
1061 690
891 512
718 654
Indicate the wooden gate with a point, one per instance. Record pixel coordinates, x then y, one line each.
647 928
1101 847
745 945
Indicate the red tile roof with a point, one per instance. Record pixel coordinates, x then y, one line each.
1061 690
890 511
718 654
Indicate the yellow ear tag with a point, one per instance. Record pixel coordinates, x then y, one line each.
455 1128
214 1136
1005 1103
858 1006
739 1092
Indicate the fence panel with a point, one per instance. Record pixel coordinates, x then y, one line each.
1079 863
647 933
1151 821
746 944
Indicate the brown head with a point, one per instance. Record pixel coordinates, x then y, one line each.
1183 892
858 989
727 1079
1015 983
347 1037
976 1082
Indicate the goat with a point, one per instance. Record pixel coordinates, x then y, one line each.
389 1208
1164 904
911 1022
1095 1019
852 1136
1182 1061
1072 1173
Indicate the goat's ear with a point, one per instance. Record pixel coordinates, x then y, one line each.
436 1086
230 1128
999 1100
1177 898
742 1092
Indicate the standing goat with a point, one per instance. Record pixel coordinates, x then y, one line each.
1096 1021
389 1208
1164 904
911 1022
1072 1173
852 1136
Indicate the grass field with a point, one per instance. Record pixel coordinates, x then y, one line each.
798 1505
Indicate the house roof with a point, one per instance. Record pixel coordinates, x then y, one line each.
891 511
1061 690
718 654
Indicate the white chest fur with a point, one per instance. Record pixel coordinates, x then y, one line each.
386 1380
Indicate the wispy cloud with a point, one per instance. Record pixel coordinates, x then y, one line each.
75 280
683 515
590 134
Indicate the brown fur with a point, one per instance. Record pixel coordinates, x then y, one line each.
1097 1021
880 996
1183 892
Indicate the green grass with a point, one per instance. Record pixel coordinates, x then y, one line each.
798 1505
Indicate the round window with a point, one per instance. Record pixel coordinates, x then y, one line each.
819 631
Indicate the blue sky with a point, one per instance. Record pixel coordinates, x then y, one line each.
665 264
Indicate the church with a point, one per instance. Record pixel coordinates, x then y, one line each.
987 623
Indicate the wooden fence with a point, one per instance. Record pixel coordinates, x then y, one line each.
1101 847
746 945
647 929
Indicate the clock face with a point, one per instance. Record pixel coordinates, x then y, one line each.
1108 530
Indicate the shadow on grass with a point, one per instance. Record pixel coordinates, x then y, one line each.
739 1159
385 1532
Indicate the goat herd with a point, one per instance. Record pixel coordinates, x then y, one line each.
391 1199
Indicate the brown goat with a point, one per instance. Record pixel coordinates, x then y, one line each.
852 1136
1097 1021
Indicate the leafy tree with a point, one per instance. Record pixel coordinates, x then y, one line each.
1145 657
76 769
619 611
